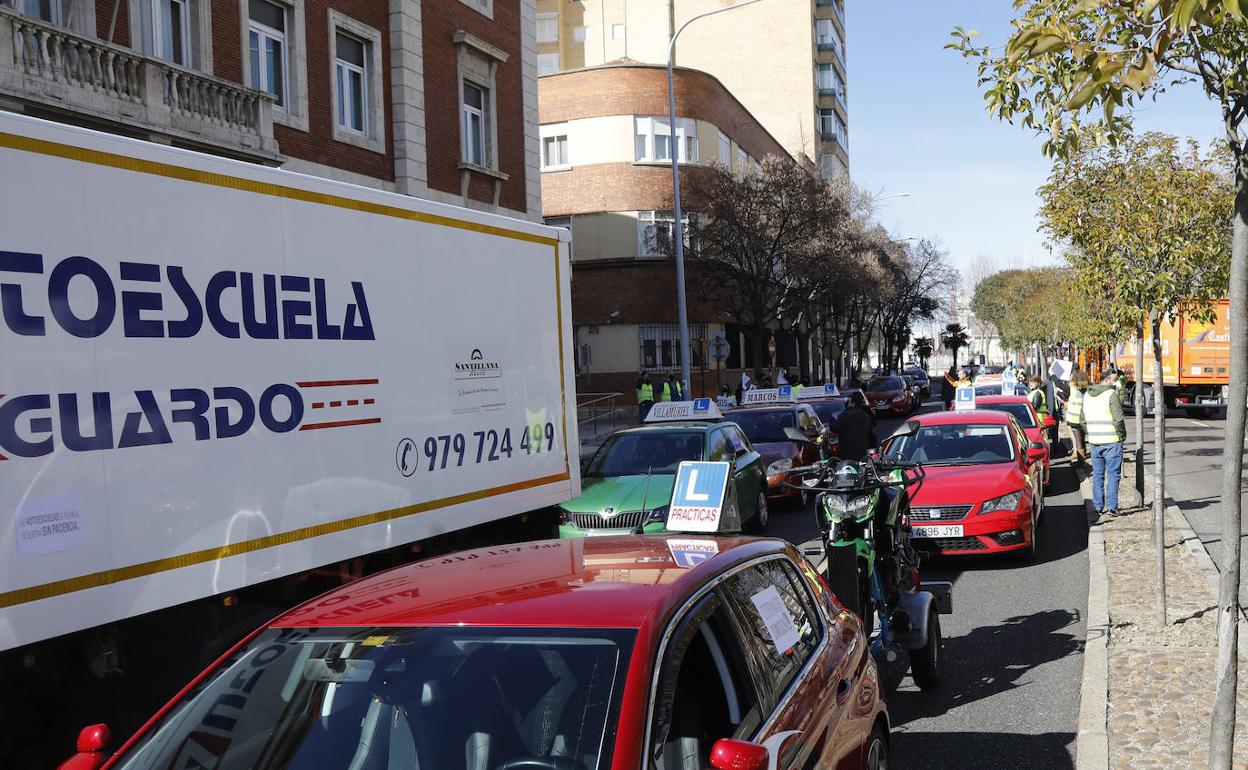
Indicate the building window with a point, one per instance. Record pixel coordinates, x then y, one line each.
660 345
743 161
617 31
351 82
548 28
656 231
827 122
578 34
564 222
725 150
555 147
825 78
547 63
266 39
44 10
165 28
484 7
474 127
825 33
653 140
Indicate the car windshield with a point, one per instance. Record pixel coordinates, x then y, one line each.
388 698
917 374
764 426
1021 412
829 410
631 454
995 389
952 445
885 383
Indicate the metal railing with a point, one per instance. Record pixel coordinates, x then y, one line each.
596 408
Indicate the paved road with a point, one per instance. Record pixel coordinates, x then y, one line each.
1013 657
1194 477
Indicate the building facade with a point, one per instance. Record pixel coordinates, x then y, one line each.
431 98
606 175
784 59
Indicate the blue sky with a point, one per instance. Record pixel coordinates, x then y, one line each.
917 125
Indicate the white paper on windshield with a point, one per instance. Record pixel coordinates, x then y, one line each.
776 617
990 430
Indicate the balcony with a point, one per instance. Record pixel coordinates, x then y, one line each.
55 69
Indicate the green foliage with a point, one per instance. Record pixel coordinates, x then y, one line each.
923 347
1044 305
953 338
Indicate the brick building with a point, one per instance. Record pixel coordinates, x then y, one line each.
432 98
606 175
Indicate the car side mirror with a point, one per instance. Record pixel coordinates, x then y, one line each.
1036 451
731 754
796 434
1049 421
93 744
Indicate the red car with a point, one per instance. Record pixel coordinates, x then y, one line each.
983 491
611 653
1036 429
787 436
889 395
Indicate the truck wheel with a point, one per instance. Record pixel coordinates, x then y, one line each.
925 663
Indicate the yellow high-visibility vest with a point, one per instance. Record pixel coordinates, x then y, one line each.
645 392
1099 418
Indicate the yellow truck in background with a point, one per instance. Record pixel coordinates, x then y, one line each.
1195 363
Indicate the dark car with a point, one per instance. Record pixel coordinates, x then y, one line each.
921 379
787 436
889 395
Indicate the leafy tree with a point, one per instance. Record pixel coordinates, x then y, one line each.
954 337
1068 69
923 347
1148 224
918 276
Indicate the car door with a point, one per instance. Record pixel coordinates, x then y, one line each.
747 467
813 666
706 688
719 450
1033 468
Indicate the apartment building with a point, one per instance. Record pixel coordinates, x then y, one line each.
432 98
784 59
606 174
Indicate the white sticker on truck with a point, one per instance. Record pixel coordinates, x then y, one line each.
49 524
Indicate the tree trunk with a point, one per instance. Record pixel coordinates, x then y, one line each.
1222 725
757 346
1141 407
1159 470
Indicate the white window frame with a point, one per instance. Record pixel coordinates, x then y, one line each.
743 160
830 114
618 32
294 112
477 63
467 113
483 7
822 25
725 150
649 245
56 8
259 80
553 131
344 115
374 136
578 34
820 69
543 64
647 128
548 23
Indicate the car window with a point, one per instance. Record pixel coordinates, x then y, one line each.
885 383
764 425
705 689
829 410
1021 412
778 617
719 450
736 439
633 454
307 698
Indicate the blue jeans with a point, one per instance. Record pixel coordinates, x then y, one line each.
1106 471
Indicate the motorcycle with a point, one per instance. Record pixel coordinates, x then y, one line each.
863 512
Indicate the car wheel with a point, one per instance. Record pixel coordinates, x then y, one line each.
759 524
925 662
1029 553
877 749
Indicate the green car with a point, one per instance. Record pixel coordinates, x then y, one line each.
628 483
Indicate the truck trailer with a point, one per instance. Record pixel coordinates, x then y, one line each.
1195 363
225 388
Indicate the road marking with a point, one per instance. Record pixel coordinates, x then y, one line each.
1201 424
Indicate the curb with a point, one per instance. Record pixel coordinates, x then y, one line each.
1092 740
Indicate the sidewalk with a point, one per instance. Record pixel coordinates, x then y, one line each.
1148 691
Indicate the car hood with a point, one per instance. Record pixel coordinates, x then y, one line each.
777 450
623 493
966 484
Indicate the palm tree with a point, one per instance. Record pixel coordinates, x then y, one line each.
955 337
923 347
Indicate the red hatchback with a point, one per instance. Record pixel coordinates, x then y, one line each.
983 491
616 652
889 395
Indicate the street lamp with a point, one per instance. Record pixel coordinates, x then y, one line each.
682 312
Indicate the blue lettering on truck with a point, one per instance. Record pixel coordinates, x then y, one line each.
294 307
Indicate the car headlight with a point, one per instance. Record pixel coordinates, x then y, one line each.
846 506
1003 503
779 466
899 397
658 514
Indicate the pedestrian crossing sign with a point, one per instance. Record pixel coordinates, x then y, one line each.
964 398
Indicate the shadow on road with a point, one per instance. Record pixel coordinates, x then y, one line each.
990 660
982 750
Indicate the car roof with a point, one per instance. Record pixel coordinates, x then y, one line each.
782 407
1001 400
964 417
593 582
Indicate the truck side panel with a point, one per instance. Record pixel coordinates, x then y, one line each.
217 374
1205 349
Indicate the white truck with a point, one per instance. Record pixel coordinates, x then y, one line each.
219 378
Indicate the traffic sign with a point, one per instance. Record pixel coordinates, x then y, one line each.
698 496
964 398
720 347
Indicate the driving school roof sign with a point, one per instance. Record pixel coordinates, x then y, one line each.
780 395
697 409
964 398
819 391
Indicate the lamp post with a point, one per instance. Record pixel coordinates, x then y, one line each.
678 227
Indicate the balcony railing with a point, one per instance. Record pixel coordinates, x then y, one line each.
57 68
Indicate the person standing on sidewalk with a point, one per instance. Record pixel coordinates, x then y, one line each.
1074 415
645 396
1107 429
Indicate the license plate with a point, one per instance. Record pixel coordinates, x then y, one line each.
944 530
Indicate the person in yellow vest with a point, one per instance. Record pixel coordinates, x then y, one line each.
1036 395
645 396
1074 414
670 389
1102 416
